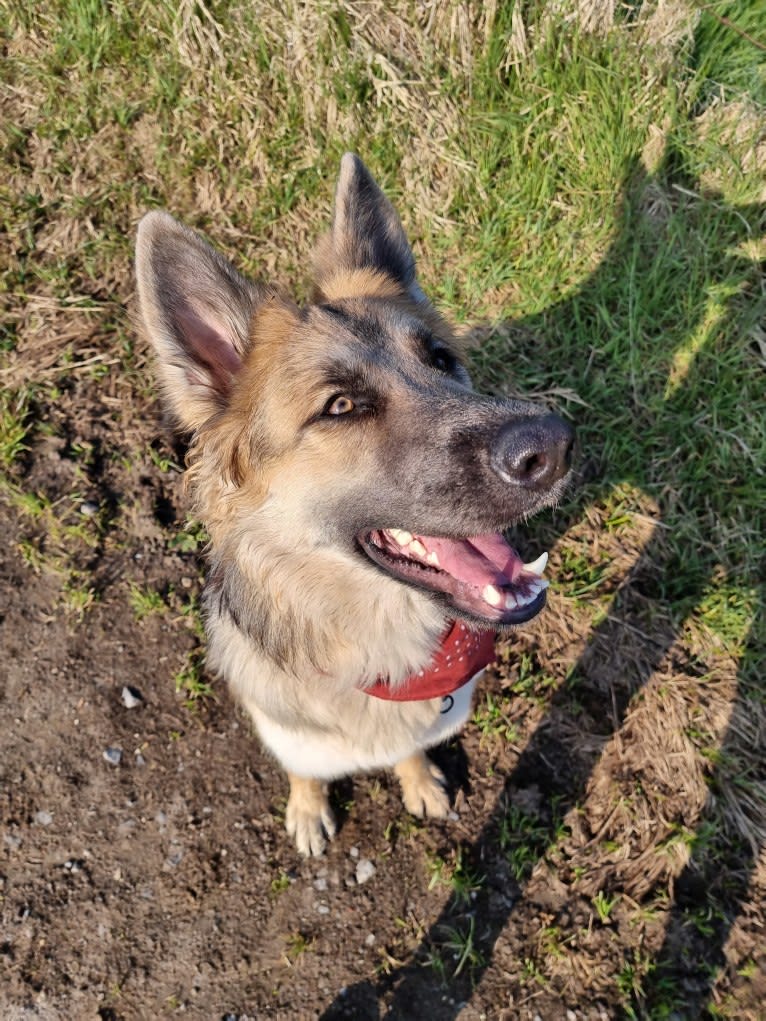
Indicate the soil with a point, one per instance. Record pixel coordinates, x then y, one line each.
145 869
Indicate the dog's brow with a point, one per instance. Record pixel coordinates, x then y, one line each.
365 327
335 310
346 379
423 335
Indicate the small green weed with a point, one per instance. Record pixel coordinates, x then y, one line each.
14 423
145 601
189 681
191 612
78 599
296 945
531 971
163 461
191 539
434 959
604 906
458 875
527 680
279 884
461 944
526 838
491 719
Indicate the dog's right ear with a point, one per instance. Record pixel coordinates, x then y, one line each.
196 310
366 235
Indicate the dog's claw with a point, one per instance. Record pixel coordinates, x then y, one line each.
424 788
309 819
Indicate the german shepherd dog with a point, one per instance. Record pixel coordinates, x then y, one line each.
354 488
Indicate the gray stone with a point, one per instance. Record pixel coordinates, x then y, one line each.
365 870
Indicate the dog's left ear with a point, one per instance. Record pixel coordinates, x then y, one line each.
366 232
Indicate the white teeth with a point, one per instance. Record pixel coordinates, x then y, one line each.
400 536
417 546
537 566
533 590
432 559
492 595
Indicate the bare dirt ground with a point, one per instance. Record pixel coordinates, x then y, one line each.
145 871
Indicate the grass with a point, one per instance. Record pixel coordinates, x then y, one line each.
145 601
457 875
191 683
592 199
296 945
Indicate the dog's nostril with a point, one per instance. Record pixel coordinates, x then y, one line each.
533 452
533 464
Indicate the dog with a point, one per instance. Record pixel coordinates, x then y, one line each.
354 488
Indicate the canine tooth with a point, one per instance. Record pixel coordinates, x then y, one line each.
417 546
537 566
400 536
492 595
432 559
511 602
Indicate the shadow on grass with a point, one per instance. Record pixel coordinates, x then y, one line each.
672 576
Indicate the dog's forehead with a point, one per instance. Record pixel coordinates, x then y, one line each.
373 323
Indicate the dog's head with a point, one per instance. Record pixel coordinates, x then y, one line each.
352 418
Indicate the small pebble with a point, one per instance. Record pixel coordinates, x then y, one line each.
454 816
89 508
186 581
364 870
370 940
354 852
113 756
571 1016
129 697
140 760
323 909
43 818
320 883
12 841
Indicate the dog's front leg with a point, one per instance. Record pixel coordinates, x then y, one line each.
423 786
309 819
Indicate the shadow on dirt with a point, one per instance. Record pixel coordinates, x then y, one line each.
721 862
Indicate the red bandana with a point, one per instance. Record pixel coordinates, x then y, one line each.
461 655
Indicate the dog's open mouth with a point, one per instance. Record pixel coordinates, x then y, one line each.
482 577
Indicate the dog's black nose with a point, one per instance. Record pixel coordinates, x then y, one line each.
533 452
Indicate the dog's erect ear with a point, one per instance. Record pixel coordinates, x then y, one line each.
196 310
366 232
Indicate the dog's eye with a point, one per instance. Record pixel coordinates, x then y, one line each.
340 405
441 358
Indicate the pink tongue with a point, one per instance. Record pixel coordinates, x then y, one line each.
478 561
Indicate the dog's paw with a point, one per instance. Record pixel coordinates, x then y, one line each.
424 788
309 819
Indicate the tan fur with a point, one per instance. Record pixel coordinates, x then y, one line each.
357 283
